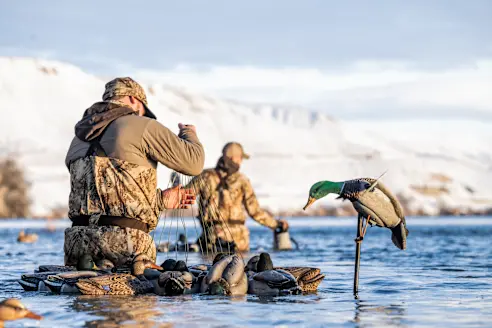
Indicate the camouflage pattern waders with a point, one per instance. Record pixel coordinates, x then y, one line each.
101 185
108 242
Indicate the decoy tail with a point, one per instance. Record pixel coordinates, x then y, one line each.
399 236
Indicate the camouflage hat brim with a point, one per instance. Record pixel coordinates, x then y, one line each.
148 112
245 156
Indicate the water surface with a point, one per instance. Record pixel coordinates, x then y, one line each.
444 278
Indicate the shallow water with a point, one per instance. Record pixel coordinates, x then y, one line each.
444 278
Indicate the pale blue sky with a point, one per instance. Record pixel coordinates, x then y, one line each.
331 37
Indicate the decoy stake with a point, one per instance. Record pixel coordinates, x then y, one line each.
361 231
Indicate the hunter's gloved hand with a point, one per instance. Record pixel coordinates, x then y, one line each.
282 226
178 197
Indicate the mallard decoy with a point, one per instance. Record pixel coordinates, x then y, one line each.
85 263
36 281
270 281
175 280
371 199
199 270
373 202
121 283
64 282
172 283
226 277
12 309
26 238
308 278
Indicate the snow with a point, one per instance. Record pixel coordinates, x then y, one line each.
291 147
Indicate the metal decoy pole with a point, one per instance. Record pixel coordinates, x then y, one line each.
358 244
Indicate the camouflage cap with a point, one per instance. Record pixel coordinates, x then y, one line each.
234 148
126 86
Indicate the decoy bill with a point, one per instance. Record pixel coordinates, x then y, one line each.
375 205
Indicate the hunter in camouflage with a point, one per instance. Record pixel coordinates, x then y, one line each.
224 193
114 201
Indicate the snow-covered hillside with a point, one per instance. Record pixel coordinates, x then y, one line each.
429 163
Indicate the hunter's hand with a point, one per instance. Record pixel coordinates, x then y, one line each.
178 197
282 225
181 126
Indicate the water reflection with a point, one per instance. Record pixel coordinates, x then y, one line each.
393 315
294 299
124 311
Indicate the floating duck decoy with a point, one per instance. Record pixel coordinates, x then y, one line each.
121 283
64 282
181 245
374 203
268 281
172 283
199 269
175 280
308 278
26 238
54 268
226 277
37 281
86 263
12 309
34 282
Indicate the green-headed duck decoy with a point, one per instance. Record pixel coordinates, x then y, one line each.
373 202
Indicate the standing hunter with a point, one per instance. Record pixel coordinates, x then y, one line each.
114 201
223 191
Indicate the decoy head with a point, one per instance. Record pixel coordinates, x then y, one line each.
105 264
252 264
168 265
322 188
86 262
264 263
182 238
174 286
220 287
13 309
180 266
142 262
219 257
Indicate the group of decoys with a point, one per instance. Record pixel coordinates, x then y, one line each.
227 275
181 245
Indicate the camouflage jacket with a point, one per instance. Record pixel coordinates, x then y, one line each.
218 205
124 183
